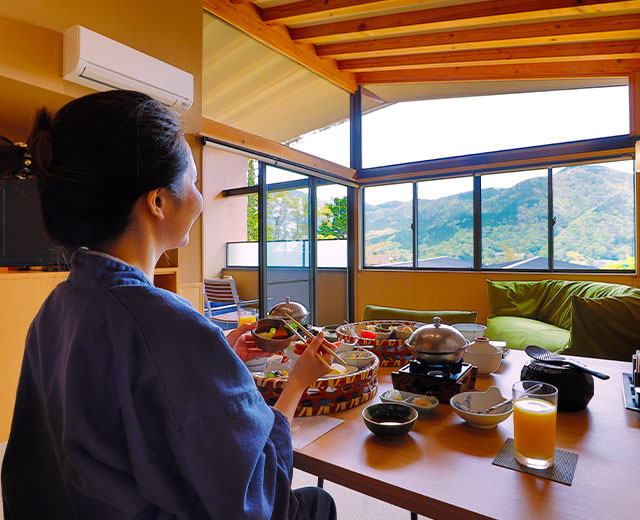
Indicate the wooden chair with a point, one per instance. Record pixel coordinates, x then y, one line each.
221 301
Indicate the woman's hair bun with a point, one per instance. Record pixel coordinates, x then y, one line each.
40 143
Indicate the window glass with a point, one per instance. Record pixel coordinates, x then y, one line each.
331 225
430 129
515 213
445 223
594 209
388 215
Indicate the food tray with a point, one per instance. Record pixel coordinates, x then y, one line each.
391 352
328 394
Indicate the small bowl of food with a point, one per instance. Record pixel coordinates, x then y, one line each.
483 410
272 335
389 419
330 333
359 358
403 331
422 404
383 330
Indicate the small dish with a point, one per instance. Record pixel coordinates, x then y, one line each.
467 405
389 419
471 331
383 330
403 331
270 344
358 358
408 399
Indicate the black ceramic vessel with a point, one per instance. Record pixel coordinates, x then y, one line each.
575 386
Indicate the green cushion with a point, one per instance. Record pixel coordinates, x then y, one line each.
374 312
556 304
515 298
520 332
606 328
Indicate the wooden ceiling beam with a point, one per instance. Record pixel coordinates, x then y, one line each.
491 13
309 10
586 69
246 17
607 28
532 54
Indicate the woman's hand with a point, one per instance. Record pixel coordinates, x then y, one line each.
242 343
308 367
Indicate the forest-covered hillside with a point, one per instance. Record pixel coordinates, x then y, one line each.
593 207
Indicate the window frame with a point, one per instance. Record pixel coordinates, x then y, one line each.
608 149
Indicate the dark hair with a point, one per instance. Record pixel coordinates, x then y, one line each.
94 159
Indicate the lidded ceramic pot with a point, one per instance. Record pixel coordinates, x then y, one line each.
294 309
437 343
484 355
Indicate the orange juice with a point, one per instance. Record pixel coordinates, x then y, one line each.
534 428
246 318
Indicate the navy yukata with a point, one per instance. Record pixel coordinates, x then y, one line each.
132 405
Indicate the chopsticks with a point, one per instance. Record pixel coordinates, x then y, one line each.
325 344
320 358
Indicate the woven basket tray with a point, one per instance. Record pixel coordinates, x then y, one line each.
328 394
391 352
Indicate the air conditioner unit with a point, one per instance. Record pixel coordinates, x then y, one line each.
101 63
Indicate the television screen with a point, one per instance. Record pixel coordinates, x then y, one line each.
23 240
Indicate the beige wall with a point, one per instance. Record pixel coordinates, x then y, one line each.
224 218
30 77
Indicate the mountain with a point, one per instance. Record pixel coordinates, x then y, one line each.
593 207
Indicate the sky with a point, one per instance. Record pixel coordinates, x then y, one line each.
432 129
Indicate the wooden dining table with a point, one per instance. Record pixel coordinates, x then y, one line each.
443 468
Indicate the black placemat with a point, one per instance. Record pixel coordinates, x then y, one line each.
564 464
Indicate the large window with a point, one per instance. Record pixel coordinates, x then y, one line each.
430 129
388 238
445 223
583 214
515 220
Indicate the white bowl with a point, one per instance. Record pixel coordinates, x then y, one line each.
482 354
470 331
468 405
257 364
362 358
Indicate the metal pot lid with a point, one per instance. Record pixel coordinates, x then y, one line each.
436 338
294 309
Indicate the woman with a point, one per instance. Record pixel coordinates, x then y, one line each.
130 403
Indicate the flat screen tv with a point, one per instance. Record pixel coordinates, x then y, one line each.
23 240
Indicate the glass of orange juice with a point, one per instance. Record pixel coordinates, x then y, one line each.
535 407
246 316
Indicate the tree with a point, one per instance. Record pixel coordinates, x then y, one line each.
333 219
252 202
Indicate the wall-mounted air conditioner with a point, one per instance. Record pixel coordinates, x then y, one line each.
100 63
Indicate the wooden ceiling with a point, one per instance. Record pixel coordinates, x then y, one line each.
361 42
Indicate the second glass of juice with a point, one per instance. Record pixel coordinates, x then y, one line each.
535 408
246 316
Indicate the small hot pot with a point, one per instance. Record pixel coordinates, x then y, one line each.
287 307
437 343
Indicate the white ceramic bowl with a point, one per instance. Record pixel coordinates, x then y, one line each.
470 331
257 364
485 356
468 405
361 358
408 399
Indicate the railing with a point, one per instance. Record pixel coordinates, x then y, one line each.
332 253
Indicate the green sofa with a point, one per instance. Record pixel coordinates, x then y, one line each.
584 318
375 312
